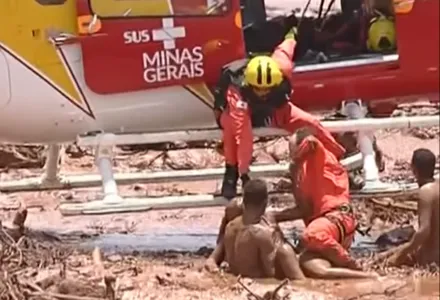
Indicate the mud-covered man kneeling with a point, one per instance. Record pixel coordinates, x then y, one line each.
253 244
424 247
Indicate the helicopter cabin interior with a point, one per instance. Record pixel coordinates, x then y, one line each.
332 35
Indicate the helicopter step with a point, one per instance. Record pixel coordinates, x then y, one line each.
52 180
112 202
192 201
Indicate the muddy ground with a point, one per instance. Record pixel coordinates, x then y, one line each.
55 254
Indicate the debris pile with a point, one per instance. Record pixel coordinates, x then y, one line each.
35 269
15 156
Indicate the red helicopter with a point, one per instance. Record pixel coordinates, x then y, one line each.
151 65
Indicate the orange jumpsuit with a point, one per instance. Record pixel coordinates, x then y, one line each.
321 188
236 118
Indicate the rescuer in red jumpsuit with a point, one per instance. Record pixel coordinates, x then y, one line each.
260 96
322 196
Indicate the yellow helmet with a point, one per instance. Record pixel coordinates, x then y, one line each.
381 35
263 72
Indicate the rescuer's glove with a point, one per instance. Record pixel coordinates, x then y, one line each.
291 34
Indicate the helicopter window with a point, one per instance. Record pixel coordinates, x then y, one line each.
51 2
158 8
253 11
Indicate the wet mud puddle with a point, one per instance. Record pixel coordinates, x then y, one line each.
194 239
176 240
199 240
184 240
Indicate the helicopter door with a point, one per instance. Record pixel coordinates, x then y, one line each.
141 44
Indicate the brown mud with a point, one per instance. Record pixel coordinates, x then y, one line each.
160 253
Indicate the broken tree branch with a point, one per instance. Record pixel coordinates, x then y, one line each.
269 295
247 289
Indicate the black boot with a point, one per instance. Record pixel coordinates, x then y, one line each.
229 185
244 179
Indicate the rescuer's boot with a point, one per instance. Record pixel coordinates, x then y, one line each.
244 179
229 185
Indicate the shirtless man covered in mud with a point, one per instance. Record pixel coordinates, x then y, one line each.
253 244
423 249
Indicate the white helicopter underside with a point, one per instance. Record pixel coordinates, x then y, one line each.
32 111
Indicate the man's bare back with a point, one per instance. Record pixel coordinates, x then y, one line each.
251 250
429 200
251 241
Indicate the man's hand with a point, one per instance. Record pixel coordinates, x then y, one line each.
383 256
355 265
288 214
301 144
211 266
393 260
397 259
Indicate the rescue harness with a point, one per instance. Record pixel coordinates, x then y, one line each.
344 209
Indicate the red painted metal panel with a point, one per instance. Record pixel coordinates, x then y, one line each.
129 54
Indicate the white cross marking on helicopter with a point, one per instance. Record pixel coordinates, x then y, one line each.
168 33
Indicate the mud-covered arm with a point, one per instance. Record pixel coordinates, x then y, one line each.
287 214
266 250
422 234
218 255
232 210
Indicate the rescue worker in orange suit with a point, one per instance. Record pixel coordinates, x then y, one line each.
321 190
259 96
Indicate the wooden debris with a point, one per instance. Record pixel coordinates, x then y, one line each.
23 257
269 295
391 203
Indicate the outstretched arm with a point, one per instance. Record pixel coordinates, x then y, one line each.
294 118
422 234
232 210
216 258
283 54
287 214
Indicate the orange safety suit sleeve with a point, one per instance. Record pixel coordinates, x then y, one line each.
237 131
283 55
307 185
291 118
